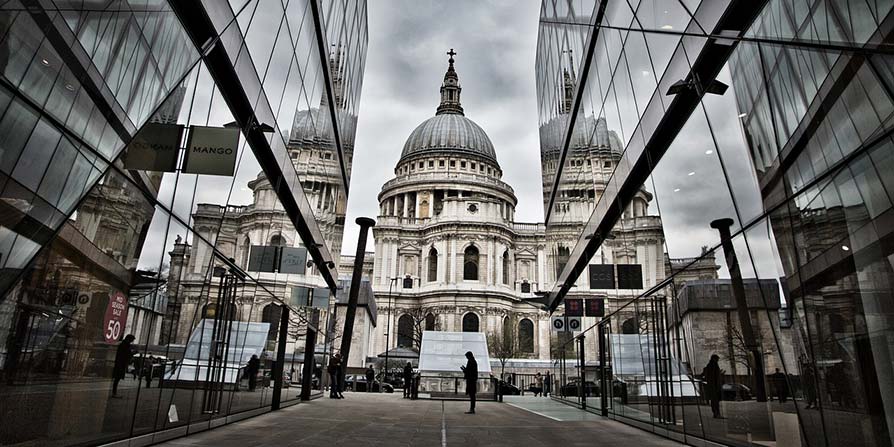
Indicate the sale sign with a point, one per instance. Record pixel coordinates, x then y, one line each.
116 317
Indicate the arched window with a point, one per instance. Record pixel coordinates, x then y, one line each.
277 240
405 331
470 322
246 250
470 263
271 314
562 256
432 265
629 326
526 336
506 267
430 322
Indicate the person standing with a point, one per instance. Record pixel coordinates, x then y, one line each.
334 370
370 378
713 377
470 372
807 378
408 380
538 381
780 384
123 355
251 370
546 385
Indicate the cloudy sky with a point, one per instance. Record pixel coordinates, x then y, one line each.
405 64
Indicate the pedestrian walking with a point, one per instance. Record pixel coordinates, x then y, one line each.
370 378
470 371
713 377
123 355
251 371
148 364
408 380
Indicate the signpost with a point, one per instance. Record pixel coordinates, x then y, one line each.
565 324
211 150
116 317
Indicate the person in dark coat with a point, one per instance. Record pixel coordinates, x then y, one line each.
713 377
123 356
809 383
370 378
334 370
408 379
470 372
251 370
780 384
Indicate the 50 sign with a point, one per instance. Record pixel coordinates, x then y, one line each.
116 317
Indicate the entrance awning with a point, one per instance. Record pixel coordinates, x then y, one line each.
400 353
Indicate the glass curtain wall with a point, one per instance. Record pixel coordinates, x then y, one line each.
137 201
775 115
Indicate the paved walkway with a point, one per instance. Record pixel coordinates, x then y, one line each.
388 420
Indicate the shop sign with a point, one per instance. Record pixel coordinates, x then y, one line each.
211 150
116 317
154 148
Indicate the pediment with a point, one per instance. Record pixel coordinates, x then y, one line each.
525 253
409 249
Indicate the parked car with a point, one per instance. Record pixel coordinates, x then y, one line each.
508 389
358 383
571 388
735 391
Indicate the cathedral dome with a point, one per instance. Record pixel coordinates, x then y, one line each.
449 133
315 126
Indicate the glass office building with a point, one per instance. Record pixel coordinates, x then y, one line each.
762 132
175 171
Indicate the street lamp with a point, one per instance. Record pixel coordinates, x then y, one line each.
388 328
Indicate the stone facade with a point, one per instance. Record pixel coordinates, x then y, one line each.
447 243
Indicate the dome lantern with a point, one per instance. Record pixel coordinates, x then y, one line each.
449 132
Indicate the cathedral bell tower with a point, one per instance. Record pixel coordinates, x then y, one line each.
450 90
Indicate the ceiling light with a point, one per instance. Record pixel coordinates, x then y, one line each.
709 152
743 115
845 248
691 173
645 72
666 27
676 189
69 87
45 62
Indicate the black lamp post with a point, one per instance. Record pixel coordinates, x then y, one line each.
738 289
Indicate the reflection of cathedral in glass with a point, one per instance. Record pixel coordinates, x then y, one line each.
249 231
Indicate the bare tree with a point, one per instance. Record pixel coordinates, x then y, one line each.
739 348
503 345
419 316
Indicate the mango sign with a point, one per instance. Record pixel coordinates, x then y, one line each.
116 317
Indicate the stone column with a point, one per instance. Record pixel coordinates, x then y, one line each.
451 253
395 259
490 261
406 197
